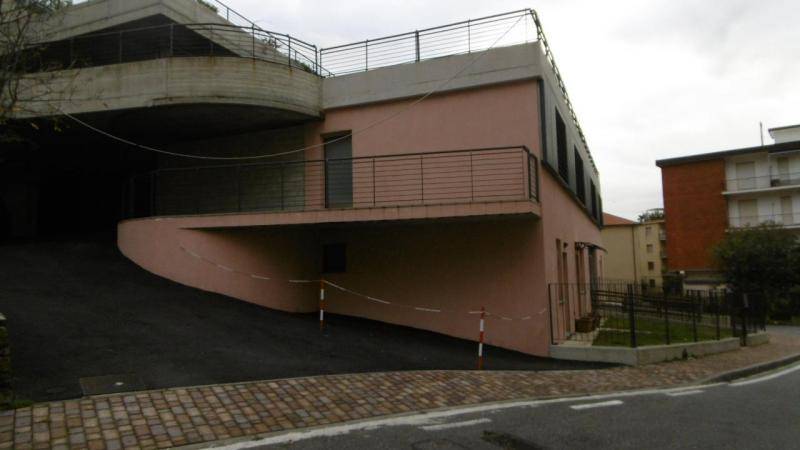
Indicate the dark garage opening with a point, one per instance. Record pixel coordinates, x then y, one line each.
59 186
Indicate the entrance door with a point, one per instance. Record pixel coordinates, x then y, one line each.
339 173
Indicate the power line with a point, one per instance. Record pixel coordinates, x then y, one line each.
303 149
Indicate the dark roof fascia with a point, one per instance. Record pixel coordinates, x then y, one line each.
774 148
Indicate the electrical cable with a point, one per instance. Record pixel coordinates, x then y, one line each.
303 149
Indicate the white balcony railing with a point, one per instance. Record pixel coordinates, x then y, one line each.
762 182
786 219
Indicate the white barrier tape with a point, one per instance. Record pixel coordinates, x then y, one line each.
480 349
350 291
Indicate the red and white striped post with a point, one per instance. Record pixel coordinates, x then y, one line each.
480 339
321 304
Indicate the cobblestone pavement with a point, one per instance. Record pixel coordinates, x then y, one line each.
181 416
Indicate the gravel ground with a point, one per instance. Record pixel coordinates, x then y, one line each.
78 309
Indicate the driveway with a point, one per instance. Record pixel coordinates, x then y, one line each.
77 308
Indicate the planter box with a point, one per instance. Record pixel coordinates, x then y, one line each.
585 324
648 354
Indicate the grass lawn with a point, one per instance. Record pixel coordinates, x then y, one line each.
649 331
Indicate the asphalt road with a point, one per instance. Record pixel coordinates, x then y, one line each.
762 413
78 309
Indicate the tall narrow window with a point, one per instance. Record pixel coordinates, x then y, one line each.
593 193
338 172
580 183
561 147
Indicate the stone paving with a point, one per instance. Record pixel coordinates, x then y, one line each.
182 416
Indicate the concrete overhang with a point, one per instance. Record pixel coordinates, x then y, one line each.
218 94
461 211
96 15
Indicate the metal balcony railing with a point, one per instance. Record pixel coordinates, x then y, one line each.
161 41
762 182
785 219
244 38
414 179
456 38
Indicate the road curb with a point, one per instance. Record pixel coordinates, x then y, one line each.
750 370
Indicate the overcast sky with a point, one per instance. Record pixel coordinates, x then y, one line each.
650 79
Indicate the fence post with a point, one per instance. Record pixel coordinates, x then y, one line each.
694 316
416 44
120 47
366 55
253 31
172 39
631 316
718 306
321 304
480 339
550 313
745 305
666 318
290 51
469 36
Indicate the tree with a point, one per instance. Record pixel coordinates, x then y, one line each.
763 259
21 33
651 214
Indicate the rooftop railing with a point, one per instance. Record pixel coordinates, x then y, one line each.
456 38
414 179
196 39
245 38
762 182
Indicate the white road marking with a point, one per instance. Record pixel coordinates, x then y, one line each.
682 393
423 418
596 405
445 426
771 376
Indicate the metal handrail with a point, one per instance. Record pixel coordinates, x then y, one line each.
354 158
236 40
402 179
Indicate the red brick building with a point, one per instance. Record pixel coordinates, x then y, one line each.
707 194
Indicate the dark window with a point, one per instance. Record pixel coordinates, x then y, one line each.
334 258
561 147
580 183
338 172
651 266
652 283
593 193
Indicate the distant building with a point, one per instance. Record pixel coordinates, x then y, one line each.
636 251
707 194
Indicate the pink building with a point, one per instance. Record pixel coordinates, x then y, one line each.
441 170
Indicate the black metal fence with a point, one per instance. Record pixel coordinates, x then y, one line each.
631 315
414 179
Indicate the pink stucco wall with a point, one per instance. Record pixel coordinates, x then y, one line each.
501 262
